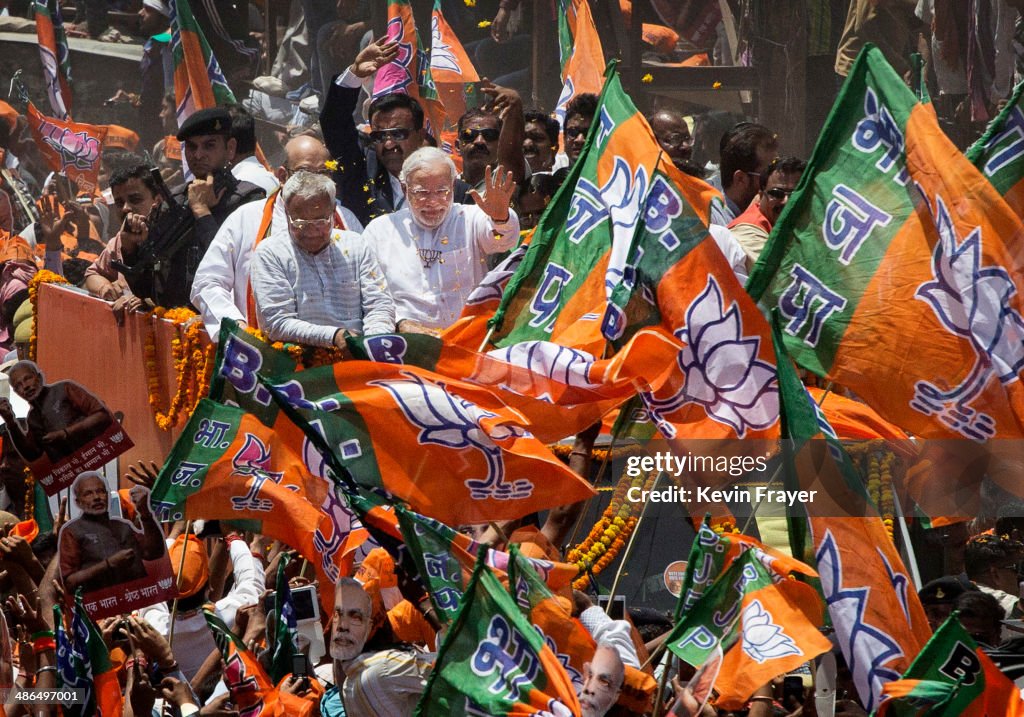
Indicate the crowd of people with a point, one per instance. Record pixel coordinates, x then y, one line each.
360 224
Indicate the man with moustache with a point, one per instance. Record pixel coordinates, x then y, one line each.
214 193
540 141
752 227
97 551
367 684
433 252
62 416
368 181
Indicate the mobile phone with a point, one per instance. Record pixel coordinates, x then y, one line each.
618 608
792 690
300 665
304 601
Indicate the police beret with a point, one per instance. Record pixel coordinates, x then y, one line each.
215 120
944 590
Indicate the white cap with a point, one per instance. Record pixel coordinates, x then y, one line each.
159 5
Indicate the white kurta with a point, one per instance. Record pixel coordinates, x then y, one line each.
221 285
250 170
434 295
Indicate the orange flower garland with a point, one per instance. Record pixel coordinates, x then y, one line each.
42 277
878 463
192 366
610 533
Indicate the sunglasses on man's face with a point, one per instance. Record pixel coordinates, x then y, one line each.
398 134
490 134
778 193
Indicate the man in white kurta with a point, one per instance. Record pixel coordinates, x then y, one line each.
221 286
433 252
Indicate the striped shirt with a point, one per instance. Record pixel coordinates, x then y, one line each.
305 298
388 682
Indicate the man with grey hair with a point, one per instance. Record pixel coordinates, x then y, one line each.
221 289
314 284
433 251
368 683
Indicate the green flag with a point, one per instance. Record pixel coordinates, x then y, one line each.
951 677
493 661
891 269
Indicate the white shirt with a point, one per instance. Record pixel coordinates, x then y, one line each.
221 286
250 170
193 641
732 250
306 298
434 295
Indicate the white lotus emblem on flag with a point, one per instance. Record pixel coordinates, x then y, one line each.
723 372
448 420
441 55
763 640
973 302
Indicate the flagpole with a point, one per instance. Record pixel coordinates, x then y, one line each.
911 556
487 340
661 686
177 583
629 546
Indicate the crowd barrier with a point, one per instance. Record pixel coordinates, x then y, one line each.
80 339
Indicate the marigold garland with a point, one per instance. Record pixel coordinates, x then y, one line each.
610 533
43 276
562 450
30 495
878 464
192 366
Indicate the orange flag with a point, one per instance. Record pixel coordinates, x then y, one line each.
70 148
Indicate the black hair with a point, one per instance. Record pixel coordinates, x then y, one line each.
395 101
476 113
549 123
980 606
739 146
987 551
783 165
135 171
584 105
543 184
243 128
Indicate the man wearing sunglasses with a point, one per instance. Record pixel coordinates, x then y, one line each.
368 179
314 284
745 152
492 136
751 228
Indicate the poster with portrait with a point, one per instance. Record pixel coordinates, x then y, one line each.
68 429
120 563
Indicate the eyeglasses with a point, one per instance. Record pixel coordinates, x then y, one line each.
678 139
490 134
574 132
423 195
302 224
778 193
396 134
321 171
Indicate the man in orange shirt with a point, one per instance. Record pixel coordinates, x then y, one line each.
751 228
